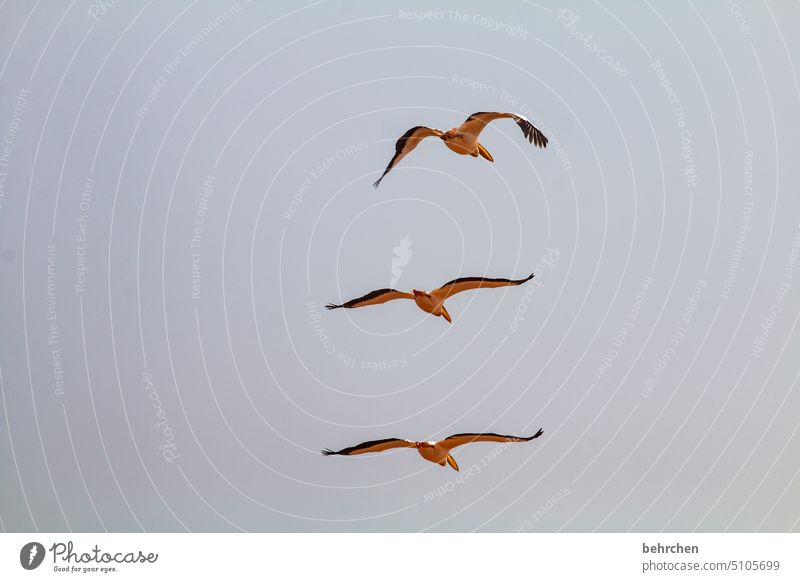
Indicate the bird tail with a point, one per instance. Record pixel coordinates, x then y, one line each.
485 154
452 462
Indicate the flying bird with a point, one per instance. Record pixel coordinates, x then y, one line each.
431 302
433 451
462 139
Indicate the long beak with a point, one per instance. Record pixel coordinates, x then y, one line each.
452 462
484 153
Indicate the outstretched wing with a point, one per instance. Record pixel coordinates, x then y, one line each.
373 298
464 438
468 283
477 121
372 447
405 144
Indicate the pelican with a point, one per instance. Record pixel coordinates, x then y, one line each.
462 139
434 451
431 302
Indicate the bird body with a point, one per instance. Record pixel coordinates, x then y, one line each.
465 144
430 302
463 139
434 451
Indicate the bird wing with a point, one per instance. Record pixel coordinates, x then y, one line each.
477 121
373 298
468 283
405 144
372 447
464 438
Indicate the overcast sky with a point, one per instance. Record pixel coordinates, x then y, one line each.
184 186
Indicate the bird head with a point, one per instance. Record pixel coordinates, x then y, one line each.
425 444
420 293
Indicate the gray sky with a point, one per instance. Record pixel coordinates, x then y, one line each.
185 185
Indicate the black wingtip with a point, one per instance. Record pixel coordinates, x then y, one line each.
523 281
534 135
538 434
332 306
326 452
539 138
377 182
